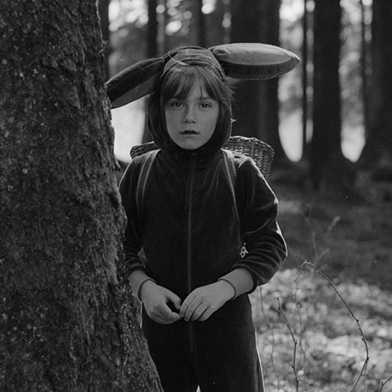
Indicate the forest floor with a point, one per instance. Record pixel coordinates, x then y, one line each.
330 306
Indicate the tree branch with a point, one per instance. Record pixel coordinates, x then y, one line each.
364 366
294 363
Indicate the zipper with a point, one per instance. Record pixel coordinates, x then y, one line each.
189 247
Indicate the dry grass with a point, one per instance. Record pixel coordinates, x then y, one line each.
300 314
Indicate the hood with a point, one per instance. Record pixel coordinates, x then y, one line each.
156 118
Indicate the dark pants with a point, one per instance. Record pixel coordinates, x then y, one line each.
219 354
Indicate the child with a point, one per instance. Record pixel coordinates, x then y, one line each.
191 222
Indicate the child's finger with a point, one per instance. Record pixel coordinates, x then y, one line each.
172 317
174 299
166 320
167 315
206 315
186 303
189 315
158 318
199 311
191 308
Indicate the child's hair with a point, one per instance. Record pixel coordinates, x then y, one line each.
177 82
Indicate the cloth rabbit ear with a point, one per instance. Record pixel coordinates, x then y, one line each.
134 82
254 60
238 60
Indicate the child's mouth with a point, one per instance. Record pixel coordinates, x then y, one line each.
189 132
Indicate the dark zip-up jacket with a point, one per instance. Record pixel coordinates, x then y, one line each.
192 227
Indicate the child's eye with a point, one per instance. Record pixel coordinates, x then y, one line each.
174 104
206 105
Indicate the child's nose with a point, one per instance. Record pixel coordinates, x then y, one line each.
190 114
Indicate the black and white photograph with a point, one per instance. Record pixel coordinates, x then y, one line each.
195 196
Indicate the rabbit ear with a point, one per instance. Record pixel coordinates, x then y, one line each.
254 60
239 60
134 81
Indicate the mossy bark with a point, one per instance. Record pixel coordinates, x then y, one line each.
67 321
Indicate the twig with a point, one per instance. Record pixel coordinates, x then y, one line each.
382 384
294 364
318 256
333 223
364 366
302 326
277 378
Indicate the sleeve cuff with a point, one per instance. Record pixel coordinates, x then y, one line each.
141 284
256 279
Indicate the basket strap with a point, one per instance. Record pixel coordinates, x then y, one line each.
143 178
231 174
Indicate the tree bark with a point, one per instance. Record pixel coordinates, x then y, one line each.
256 105
269 108
214 24
327 165
152 47
201 25
245 27
152 28
103 10
364 69
67 321
378 149
162 23
305 148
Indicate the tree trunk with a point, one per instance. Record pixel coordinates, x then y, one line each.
162 23
269 108
305 148
256 105
152 28
214 24
364 69
103 10
327 165
378 149
201 25
245 27
152 47
227 20
68 323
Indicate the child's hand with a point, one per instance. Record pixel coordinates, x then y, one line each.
202 302
156 301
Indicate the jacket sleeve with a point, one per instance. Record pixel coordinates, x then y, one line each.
258 209
132 237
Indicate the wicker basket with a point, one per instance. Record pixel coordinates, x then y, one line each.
252 147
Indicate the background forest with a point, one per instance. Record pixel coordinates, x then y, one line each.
329 122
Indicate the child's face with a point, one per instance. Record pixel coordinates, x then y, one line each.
191 121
